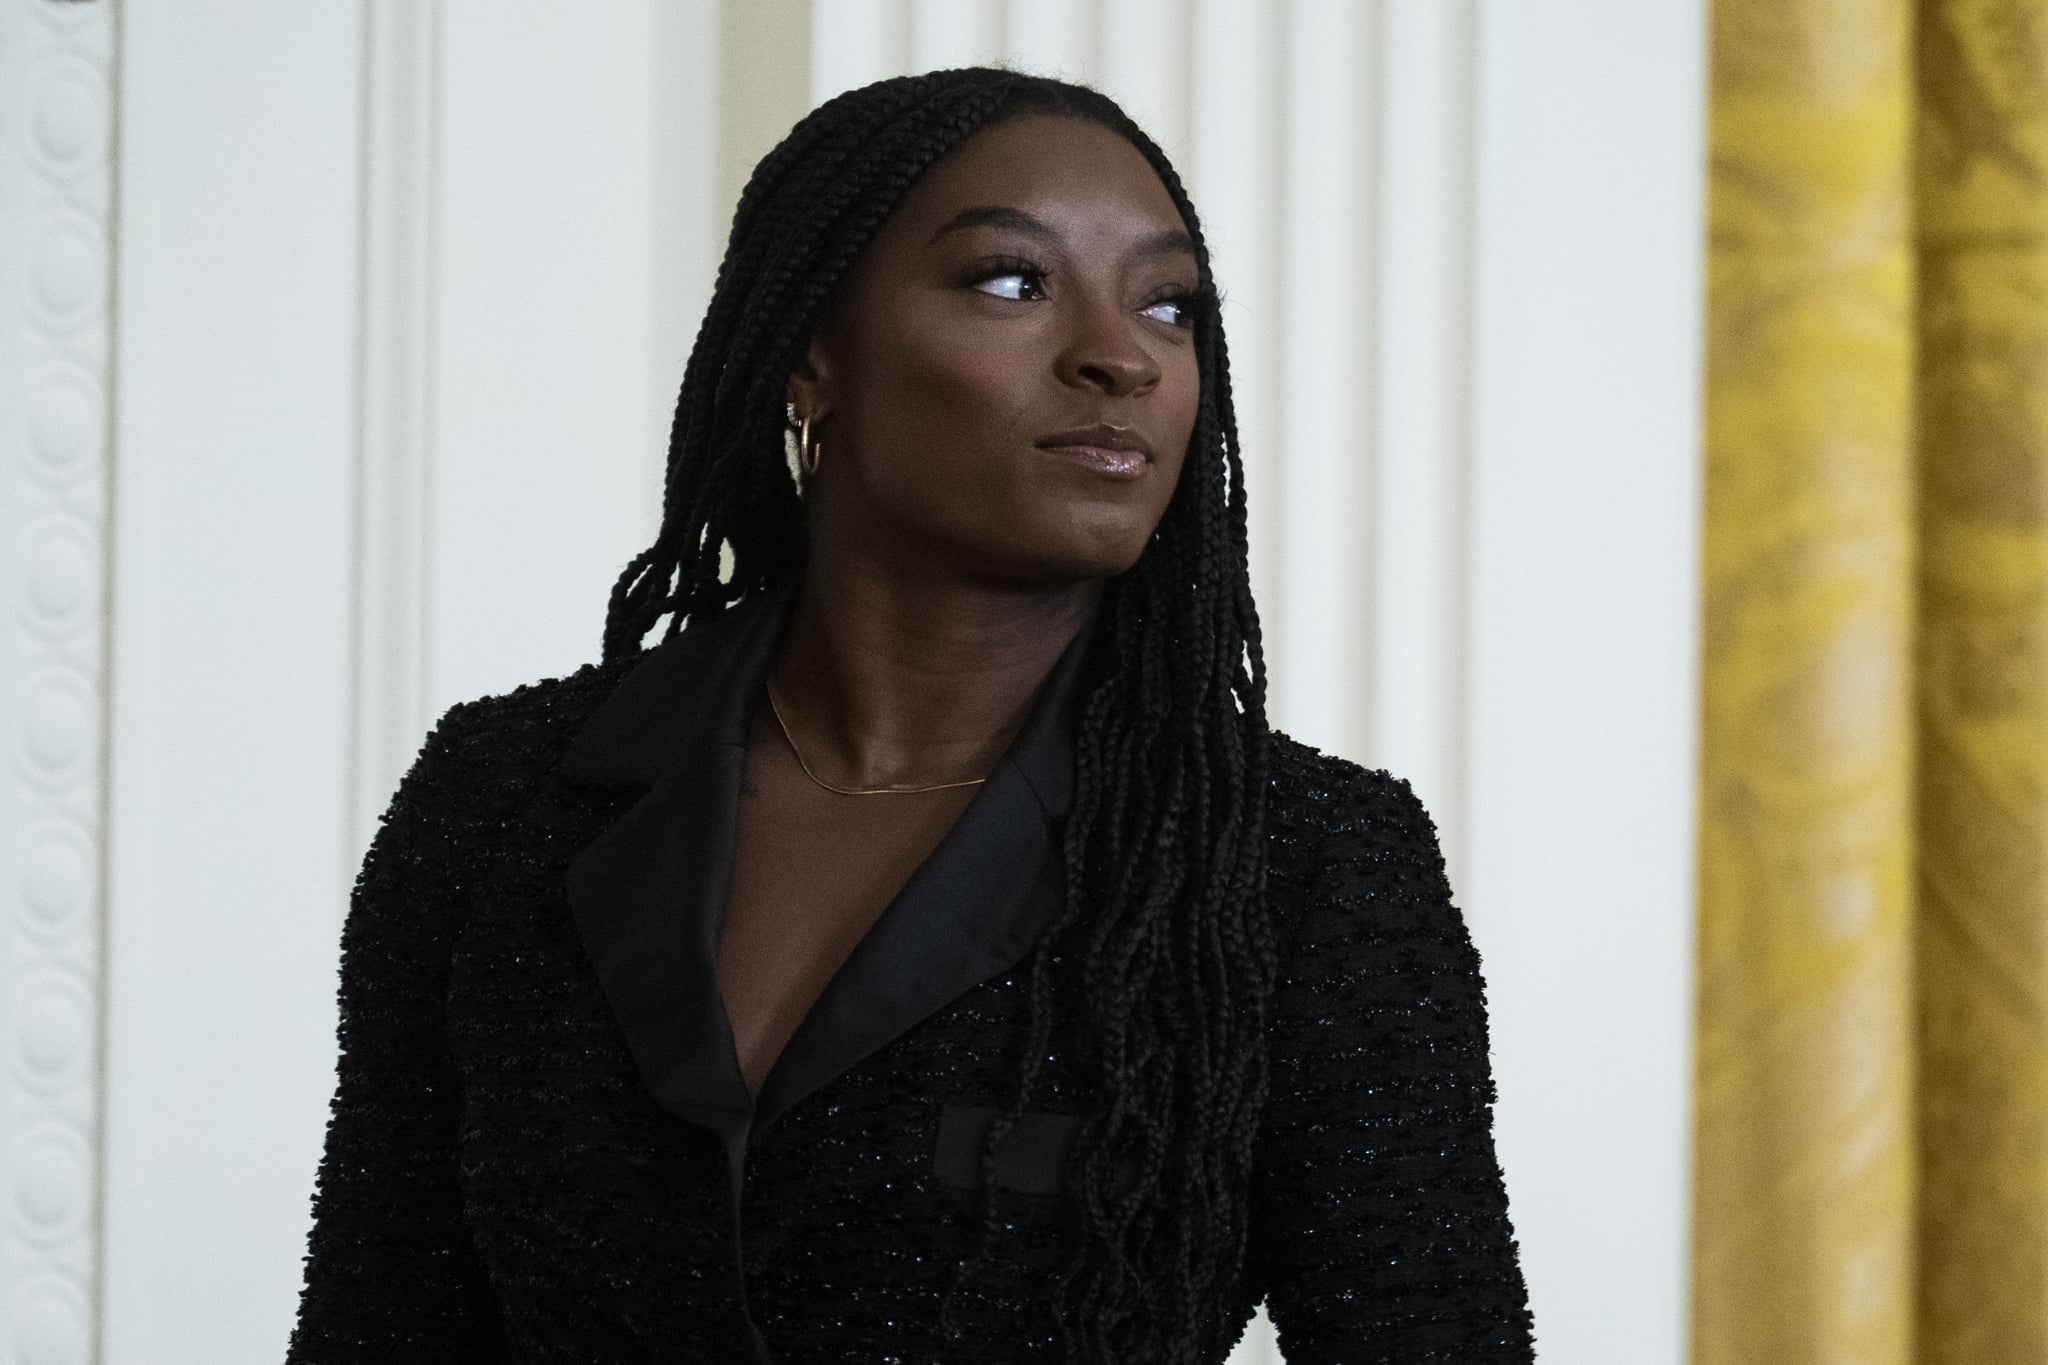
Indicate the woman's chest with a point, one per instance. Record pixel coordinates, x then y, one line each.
856 1198
812 871
543 1055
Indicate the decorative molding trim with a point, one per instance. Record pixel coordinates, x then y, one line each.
1143 55
1419 577
394 437
947 33
1234 170
857 41
57 123
1051 37
1321 618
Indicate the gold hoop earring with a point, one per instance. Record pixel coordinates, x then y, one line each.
808 452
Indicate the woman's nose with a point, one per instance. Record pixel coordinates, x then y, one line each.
1103 351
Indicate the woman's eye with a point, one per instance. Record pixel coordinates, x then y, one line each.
1013 284
1008 285
1175 312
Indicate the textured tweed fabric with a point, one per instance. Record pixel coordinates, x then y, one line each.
501 1185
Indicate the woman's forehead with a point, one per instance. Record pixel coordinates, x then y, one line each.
1049 166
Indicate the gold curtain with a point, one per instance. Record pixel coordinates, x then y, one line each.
1871 1163
1982 940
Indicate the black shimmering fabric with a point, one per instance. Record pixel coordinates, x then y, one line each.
500 1185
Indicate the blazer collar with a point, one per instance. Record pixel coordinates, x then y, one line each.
686 697
649 893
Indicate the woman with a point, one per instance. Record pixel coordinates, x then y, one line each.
926 951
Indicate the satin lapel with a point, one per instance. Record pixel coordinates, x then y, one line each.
970 912
649 893
690 692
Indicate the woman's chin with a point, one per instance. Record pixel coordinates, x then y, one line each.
1053 566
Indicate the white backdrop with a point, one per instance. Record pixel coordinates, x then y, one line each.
399 296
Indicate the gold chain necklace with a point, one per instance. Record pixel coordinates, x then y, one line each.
776 707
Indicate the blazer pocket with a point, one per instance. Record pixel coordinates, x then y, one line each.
1031 1159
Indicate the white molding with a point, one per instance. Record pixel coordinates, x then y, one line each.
57 109
394 435
1052 37
1321 618
1582 673
950 33
1145 61
854 42
735 76
1418 575
1234 174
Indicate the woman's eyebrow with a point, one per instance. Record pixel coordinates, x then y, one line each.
1168 242
997 215
1165 242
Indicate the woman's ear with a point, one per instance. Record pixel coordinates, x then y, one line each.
810 380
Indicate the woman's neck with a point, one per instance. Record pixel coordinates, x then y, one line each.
887 681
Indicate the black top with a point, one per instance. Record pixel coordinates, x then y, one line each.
542 1147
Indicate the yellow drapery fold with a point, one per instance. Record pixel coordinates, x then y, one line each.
1871 1166
1803 1158
1982 943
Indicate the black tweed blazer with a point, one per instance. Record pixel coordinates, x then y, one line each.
541 1149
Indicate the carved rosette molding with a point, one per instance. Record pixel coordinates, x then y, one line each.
56 131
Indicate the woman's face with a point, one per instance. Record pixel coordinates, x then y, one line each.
1006 382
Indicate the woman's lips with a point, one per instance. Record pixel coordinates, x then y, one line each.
1116 464
1119 452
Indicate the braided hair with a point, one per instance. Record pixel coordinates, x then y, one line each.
1164 843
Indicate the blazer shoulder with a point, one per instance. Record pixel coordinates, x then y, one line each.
1353 849
532 725
1313 796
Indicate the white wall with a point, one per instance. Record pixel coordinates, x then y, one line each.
229 724
388 399
383 438
1582 663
